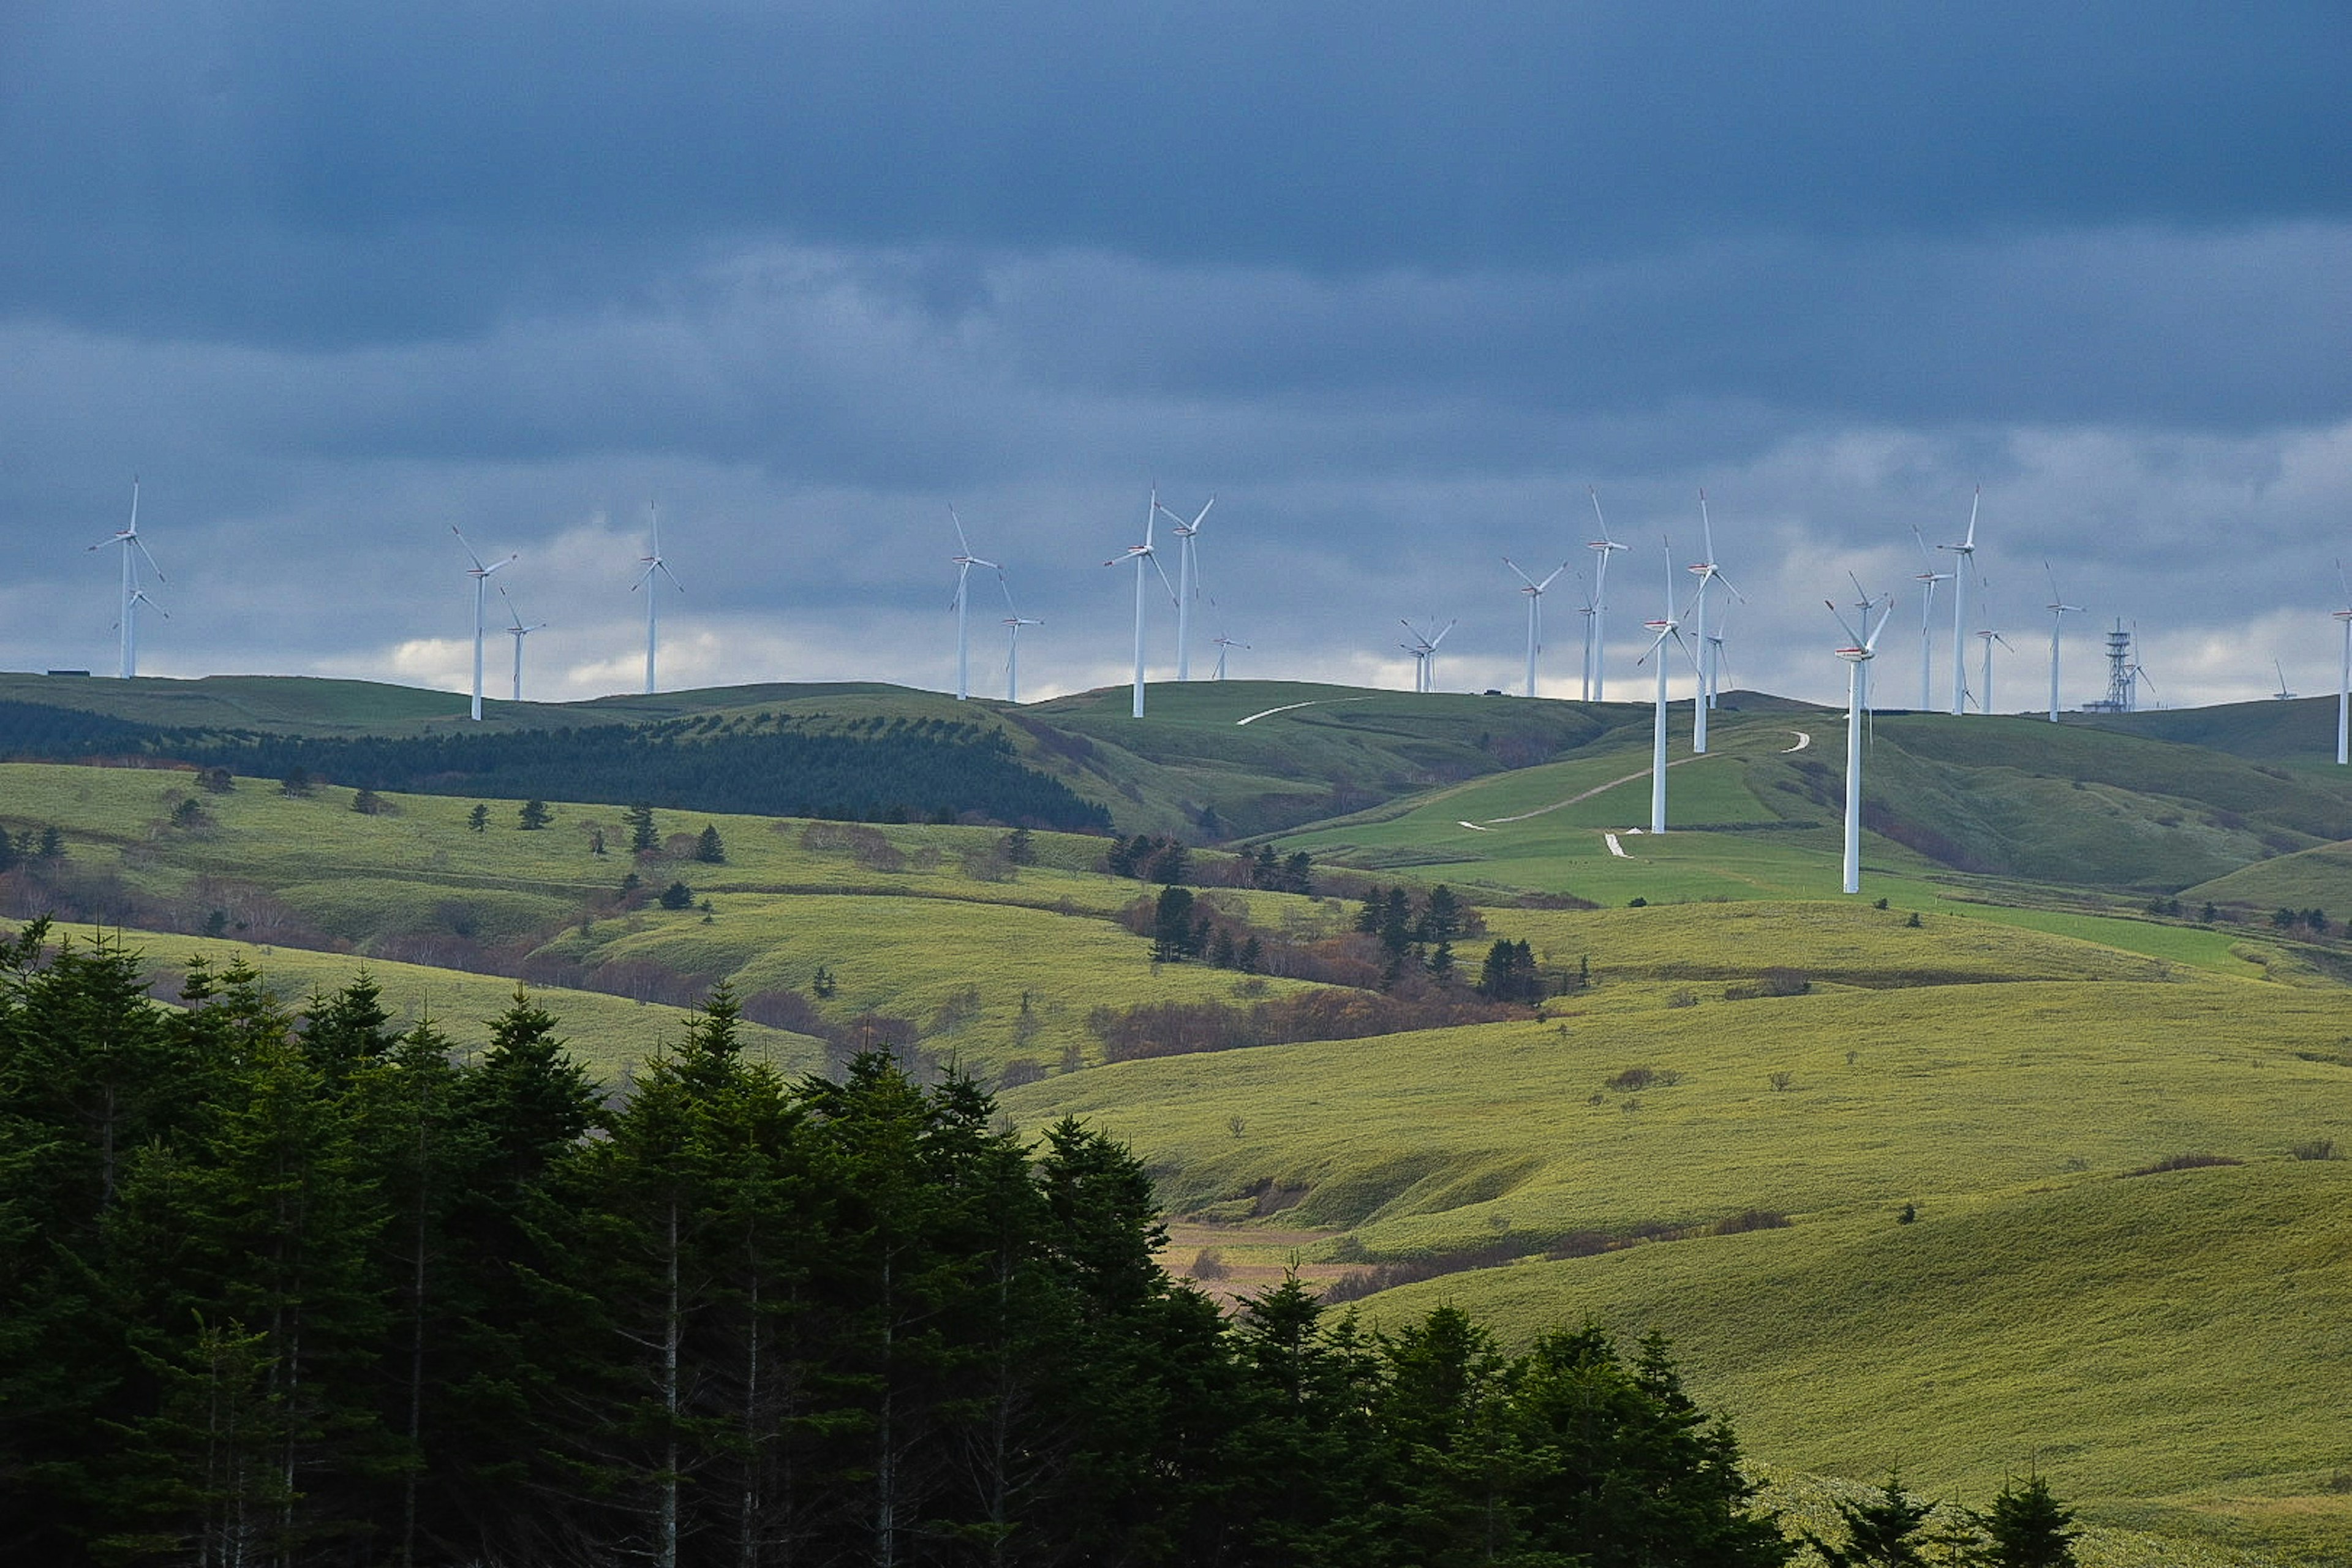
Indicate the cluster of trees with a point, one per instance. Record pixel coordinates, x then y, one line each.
302 1290
1178 933
30 844
891 772
1273 872
1417 931
2287 919
1148 858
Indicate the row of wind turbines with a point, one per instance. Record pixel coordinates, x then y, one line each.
1704 647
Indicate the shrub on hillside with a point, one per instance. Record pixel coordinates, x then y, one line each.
2185 1163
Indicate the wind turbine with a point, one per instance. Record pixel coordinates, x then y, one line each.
517 631
1666 627
964 562
1424 649
1859 650
133 595
1604 547
1927 580
1984 699
1187 581
2059 610
1535 593
1708 575
2281 694
1966 552
2344 685
1142 554
1420 649
482 576
1224 642
654 567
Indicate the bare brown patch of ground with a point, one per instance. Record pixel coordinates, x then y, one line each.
1241 1261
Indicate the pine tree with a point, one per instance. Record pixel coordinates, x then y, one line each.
643 840
533 816
709 848
2026 1528
1882 1531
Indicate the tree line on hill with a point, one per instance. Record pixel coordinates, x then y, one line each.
898 770
301 1289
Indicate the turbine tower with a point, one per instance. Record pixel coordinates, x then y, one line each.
1927 579
1859 650
1603 547
482 576
1188 581
2059 610
2344 683
1142 554
654 568
1588 610
1966 552
1708 575
517 631
1535 593
964 562
1666 627
133 595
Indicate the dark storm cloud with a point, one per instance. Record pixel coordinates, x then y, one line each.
330 172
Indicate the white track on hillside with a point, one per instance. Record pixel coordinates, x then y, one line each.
1318 702
1803 740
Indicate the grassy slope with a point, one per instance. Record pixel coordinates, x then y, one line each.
2040 1283
997 965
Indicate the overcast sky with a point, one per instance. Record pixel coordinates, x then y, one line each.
1394 283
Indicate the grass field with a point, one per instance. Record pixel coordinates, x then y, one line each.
2170 1345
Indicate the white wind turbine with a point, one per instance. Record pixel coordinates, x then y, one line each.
1420 650
2059 610
656 568
1603 547
1984 698
2343 684
133 595
1224 642
517 631
1859 650
481 573
1535 593
1966 552
964 562
2281 694
1927 579
1708 575
1429 660
1012 622
1142 555
1666 627
1188 581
